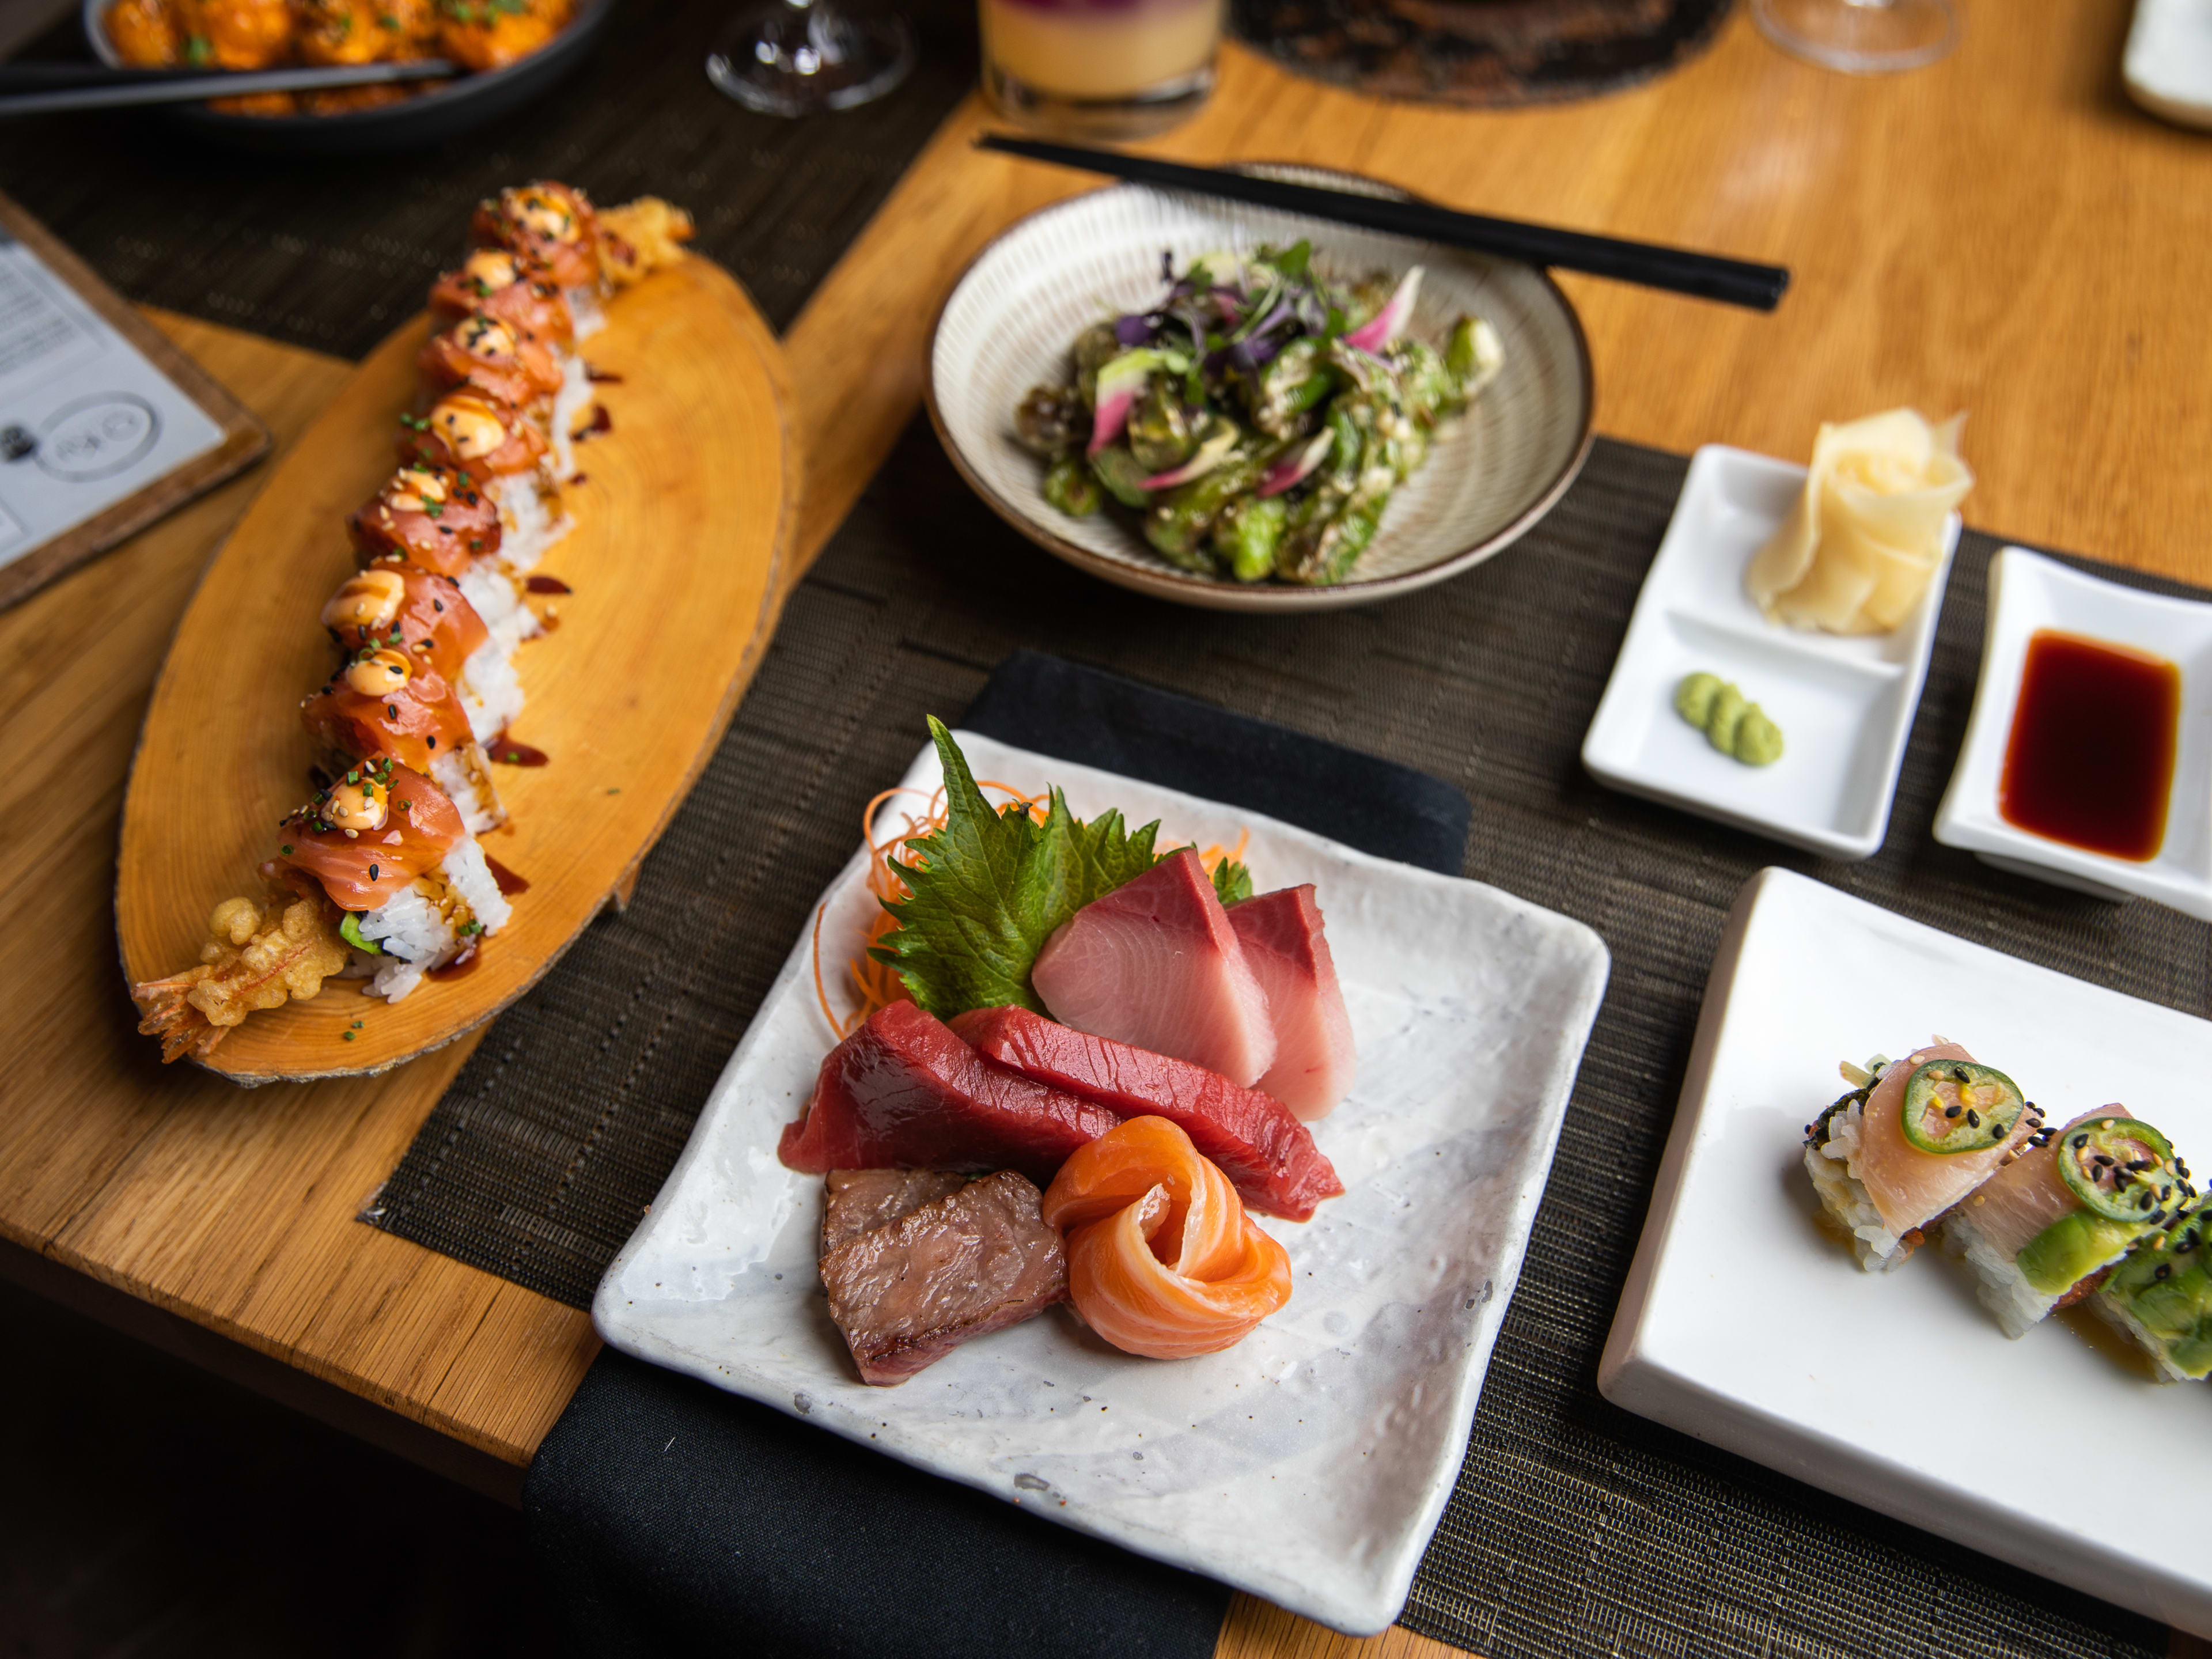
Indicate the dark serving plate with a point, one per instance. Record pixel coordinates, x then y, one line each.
454 107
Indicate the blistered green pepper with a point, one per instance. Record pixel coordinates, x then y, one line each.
1093 348
1475 355
1246 536
1177 525
1069 486
1164 431
1295 382
1123 474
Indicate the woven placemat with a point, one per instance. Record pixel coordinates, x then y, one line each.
1575 1528
333 253
1480 53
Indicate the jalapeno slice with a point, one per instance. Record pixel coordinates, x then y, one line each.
1957 1106
2122 1169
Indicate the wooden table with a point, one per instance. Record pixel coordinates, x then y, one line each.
2001 233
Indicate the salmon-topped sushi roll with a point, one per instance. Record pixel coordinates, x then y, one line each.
2042 1231
429 623
433 516
390 850
510 286
1915 1137
469 431
552 225
384 704
511 362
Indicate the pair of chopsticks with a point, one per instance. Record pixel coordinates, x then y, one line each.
49 89
1679 271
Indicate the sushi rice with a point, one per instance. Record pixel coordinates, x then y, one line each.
1845 1197
571 405
419 927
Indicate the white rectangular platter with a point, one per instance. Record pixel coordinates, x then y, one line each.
1309 1464
1844 705
1745 1323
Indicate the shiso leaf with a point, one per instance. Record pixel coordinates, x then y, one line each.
991 886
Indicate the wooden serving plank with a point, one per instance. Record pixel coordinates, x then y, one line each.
685 516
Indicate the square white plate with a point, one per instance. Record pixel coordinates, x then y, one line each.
1310 1463
2029 592
2169 62
1745 1323
1844 705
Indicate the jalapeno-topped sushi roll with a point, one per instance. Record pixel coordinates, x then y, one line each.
2162 1296
1912 1139
2040 1230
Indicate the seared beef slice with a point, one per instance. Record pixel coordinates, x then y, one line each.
859 1201
964 1265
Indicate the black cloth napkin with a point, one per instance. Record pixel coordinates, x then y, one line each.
667 1516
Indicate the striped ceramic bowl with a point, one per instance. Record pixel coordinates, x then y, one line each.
1492 475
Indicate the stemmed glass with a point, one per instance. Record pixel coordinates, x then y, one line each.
802 57
1859 37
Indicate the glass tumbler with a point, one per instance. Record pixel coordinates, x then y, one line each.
1859 37
1099 69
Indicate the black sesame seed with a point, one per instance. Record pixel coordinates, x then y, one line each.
1950 1111
2081 1141
1974 1120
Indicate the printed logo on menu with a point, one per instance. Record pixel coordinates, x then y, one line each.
89 438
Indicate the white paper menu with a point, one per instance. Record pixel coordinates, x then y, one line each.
85 420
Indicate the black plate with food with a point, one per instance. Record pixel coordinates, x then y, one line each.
511 50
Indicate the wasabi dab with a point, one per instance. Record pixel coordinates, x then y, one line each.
1732 724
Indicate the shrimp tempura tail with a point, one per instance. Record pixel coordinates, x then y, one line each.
256 955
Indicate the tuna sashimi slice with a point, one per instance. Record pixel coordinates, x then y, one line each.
1281 933
903 1093
975 1260
1155 963
1266 1153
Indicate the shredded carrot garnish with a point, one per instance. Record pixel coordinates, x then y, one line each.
875 984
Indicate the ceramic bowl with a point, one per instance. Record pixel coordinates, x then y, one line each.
1492 475
2028 592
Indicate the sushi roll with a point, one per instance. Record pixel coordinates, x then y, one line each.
381 875
470 431
2040 1230
391 851
553 227
2162 1298
1915 1137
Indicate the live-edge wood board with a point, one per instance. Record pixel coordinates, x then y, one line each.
683 517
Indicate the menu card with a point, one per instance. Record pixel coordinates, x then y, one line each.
104 424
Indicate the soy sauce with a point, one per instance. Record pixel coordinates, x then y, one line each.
506 752
547 585
2090 760
508 882
460 966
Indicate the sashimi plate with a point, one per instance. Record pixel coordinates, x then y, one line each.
1309 1464
1746 1323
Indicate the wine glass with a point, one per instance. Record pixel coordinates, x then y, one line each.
802 57
1859 37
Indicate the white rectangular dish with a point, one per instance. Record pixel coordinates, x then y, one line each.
2029 592
1746 1323
1844 705
1309 1464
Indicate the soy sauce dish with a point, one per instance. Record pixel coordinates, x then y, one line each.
2088 761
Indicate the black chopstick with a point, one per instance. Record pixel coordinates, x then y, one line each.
1679 270
44 89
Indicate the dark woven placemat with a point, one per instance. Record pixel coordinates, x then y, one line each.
1574 1528
334 253
1480 53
